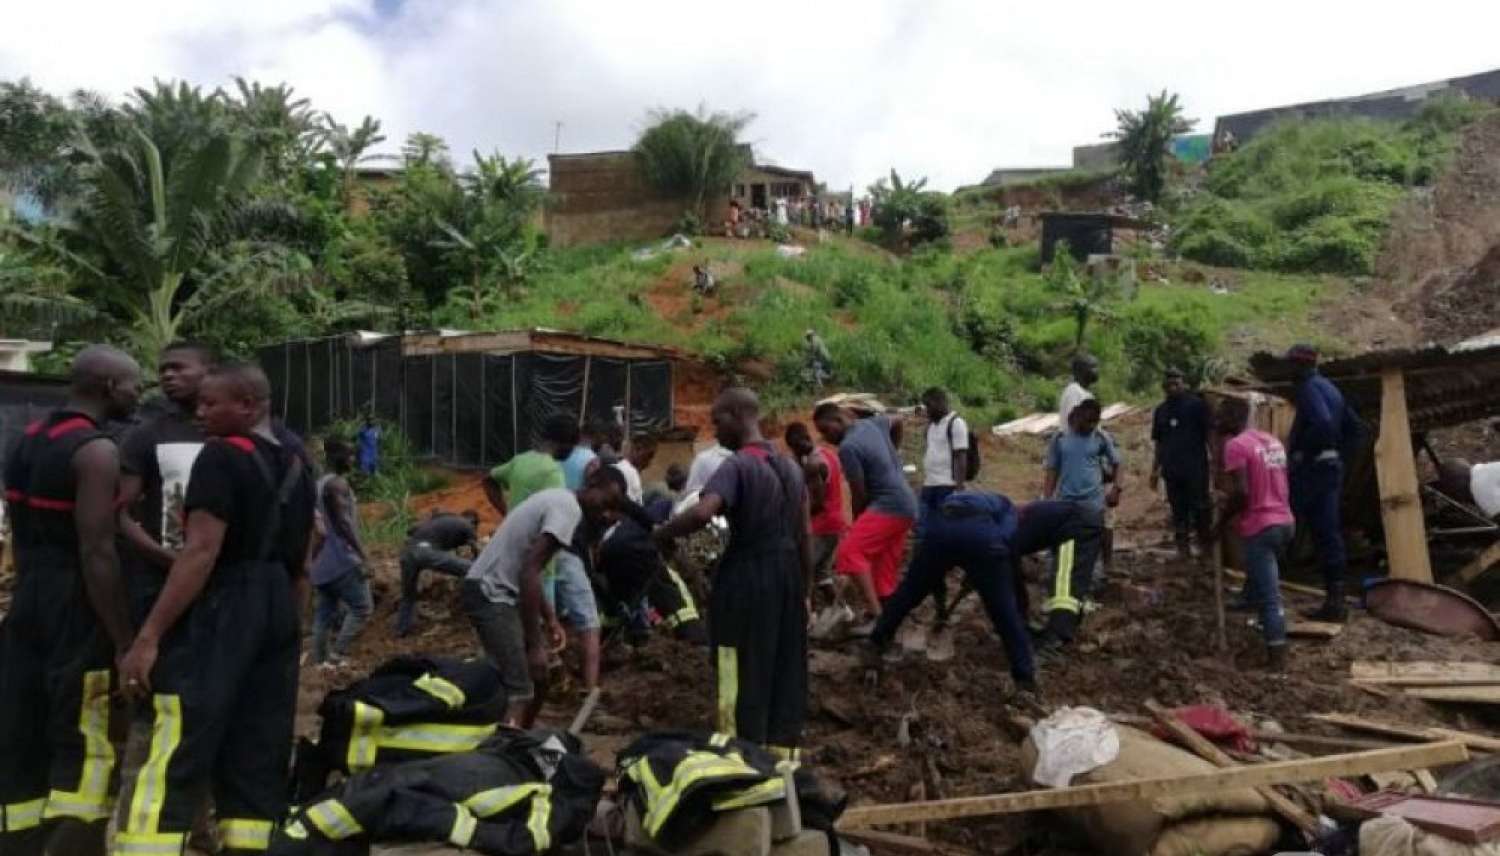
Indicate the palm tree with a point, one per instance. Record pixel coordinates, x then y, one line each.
156 242
696 155
1085 298
515 183
272 119
34 297
350 147
1146 142
423 149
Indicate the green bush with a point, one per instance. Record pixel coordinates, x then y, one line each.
1155 339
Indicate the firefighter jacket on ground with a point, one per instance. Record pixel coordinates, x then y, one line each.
518 793
410 708
679 779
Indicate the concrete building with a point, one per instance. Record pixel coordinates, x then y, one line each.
1391 104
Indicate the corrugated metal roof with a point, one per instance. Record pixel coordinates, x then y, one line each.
1445 386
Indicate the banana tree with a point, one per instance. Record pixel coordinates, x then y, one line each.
152 243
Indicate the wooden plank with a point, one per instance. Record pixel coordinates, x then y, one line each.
1485 694
1424 673
1476 742
1292 588
1293 813
1400 492
1291 738
1314 629
1483 562
1276 773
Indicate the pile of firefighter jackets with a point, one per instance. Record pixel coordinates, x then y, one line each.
426 762
679 780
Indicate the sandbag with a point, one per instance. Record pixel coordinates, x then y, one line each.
1134 828
1393 836
1222 835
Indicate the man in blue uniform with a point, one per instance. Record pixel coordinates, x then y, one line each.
1321 432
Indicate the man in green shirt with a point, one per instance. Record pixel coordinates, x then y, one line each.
509 484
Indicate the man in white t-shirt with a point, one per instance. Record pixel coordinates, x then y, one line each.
1085 374
642 452
502 593
945 465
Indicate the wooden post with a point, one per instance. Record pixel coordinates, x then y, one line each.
1400 497
1221 628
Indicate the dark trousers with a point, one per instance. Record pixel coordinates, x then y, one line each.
978 547
224 700
758 628
56 760
1191 512
1077 539
930 504
416 557
1317 491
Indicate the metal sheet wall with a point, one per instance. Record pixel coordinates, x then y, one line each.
467 410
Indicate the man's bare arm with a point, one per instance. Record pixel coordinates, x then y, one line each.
495 494
97 468
695 518
960 466
1049 483
135 534
859 499
898 429
189 574
533 607
816 473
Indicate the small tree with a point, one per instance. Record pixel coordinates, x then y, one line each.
1086 298
900 204
1145 139
697 155
351 147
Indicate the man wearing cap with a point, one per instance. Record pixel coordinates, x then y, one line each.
1323 427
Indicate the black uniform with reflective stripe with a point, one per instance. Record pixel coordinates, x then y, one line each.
445 704
515 794
55 659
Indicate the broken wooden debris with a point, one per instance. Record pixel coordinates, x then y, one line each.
1424 673
1476 742
1276 773
1486 694
1314 629
1295 588
1291 738
1466 820
1294 814
1483 562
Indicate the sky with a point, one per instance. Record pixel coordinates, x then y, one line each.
947 89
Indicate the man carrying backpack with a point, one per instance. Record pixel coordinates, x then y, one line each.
949 462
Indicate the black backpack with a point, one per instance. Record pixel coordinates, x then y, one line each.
971 460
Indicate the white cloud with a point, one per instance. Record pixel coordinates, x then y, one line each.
944 88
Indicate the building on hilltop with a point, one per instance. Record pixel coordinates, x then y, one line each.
1391 104
603 196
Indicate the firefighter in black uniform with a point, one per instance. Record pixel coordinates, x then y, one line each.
224 686
758 608
68 617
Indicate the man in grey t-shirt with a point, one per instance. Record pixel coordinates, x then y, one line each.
880 499
502 593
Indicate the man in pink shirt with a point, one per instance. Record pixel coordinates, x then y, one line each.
1255 500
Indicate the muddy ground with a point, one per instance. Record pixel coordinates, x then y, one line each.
1151 638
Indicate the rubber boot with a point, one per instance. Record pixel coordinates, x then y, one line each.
1276 658
1333 608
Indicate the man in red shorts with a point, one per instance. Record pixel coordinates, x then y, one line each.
883 505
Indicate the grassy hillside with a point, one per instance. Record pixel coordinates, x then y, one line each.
1316 195
987 324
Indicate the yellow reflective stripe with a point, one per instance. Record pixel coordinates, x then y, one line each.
245 834
151 782
729 688
696 767
91 801
719 740
496 800
362 746
22 815
464 825
441 689
768 791
688 612
536 824
150 844
333 820
1062 586
432 737
785 753
295 830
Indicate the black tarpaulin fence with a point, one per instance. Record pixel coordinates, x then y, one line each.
465 409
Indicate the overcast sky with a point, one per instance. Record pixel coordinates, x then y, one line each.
943 89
